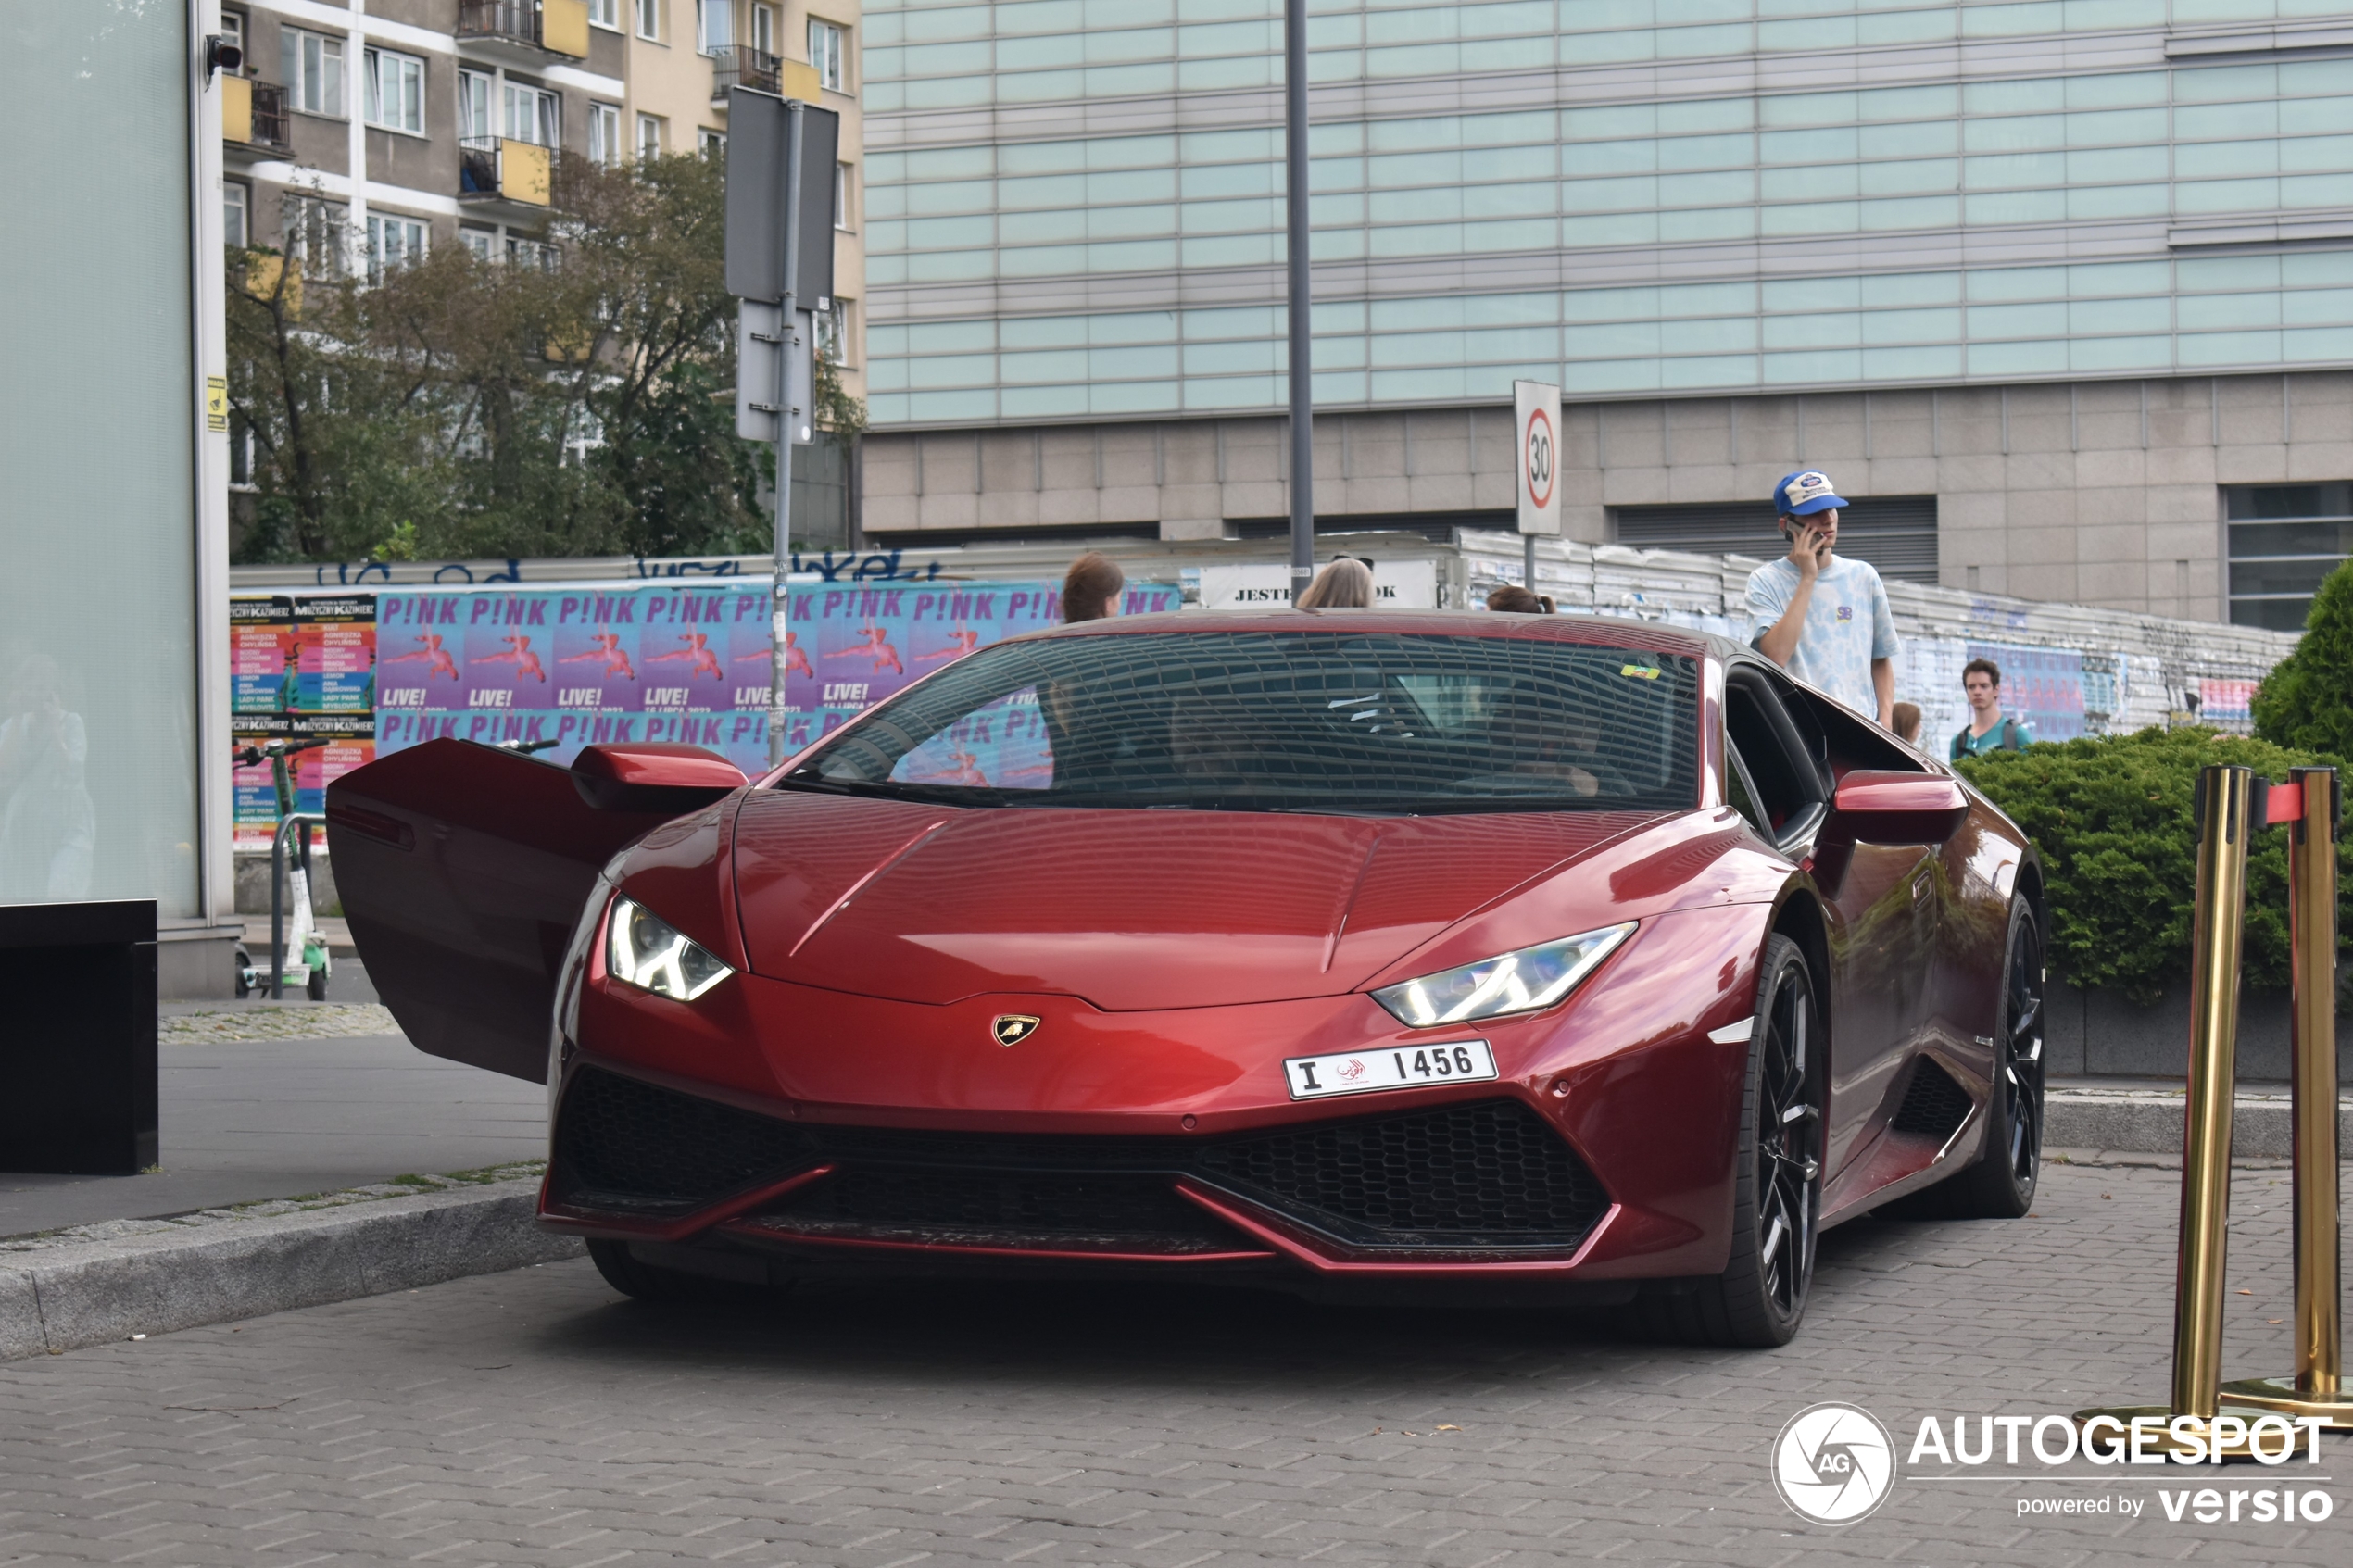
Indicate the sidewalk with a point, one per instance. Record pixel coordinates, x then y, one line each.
253 1110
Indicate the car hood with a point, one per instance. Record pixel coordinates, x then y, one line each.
1129 910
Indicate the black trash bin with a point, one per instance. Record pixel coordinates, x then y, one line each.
78 1037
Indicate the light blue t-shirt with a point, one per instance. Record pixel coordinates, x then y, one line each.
1848 625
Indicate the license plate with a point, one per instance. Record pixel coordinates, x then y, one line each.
1396 1067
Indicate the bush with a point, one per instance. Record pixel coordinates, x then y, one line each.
2306 700
2112 819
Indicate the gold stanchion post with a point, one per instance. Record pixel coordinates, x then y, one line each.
2311 805
2228 812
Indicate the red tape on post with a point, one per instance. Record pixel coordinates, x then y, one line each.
2286 804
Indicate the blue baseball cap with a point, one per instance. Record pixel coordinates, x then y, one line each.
1803 494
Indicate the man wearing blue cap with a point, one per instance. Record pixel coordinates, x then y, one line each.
1824 618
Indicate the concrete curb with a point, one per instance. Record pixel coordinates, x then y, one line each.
2149 1121
92 1293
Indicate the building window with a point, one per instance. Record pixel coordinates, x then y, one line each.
604 134
605 13
474 98
841 195
825 51
650 136
711 144
713 29
393 91
393 242
2284 539
832 331
312 66
532 253
763 29
481 244
534 115
236 217
649 19
315 235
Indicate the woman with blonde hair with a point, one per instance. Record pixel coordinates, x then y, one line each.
1346 584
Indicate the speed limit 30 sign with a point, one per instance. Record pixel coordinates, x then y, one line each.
1537 415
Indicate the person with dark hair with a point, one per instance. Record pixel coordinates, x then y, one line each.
1822 617
1908 723
1346 584
1513 599
1092 587
1988 729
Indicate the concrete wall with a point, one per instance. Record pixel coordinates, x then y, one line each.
2098 492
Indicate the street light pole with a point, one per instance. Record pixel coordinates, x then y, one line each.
1302 399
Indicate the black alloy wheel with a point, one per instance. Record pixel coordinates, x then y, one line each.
2000 1183
1759 1298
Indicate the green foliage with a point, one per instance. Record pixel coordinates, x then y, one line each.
465 407
2306 700
2113 819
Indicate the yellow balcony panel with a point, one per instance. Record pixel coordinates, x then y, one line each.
237 108
800 80
523 172
262 274
563 27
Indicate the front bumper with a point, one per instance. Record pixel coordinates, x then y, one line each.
857 1127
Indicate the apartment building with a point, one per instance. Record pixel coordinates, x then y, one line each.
683 56
2061 294
365 134
361 135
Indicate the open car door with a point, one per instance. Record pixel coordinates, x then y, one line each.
463 870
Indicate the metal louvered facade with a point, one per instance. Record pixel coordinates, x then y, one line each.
1896 533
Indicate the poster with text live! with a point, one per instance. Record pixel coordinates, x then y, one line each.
682 662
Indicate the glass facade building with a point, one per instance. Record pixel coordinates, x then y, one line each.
1994 192
1074 207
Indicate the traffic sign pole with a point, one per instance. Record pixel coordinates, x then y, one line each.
788 327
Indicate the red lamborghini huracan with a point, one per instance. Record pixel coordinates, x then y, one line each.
1357 949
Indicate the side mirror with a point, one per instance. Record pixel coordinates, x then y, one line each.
653 777
1890 808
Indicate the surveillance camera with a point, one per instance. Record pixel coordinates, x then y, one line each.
219 55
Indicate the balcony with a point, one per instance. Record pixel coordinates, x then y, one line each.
524 33
253 118
496 168
740 65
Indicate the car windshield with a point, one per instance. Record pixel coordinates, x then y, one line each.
1314 721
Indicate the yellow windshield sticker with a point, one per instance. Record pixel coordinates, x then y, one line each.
1639 671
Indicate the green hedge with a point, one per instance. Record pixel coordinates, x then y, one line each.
2112 819
2307 699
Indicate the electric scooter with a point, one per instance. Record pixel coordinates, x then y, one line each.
304 940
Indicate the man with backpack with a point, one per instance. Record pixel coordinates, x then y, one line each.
1988 730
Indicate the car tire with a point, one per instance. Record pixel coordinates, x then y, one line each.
642 1281
2000 1183
1760 1299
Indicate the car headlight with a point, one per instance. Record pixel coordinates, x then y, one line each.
645 950
1521 982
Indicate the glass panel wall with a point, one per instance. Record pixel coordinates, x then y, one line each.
97 636
1874 235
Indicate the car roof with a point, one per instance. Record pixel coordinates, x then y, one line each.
1650 636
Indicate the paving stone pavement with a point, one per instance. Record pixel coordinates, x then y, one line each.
536 1418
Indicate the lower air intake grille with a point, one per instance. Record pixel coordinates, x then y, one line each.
1476 1175
1934 1106
1088 1211
626 1145
1484 1176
